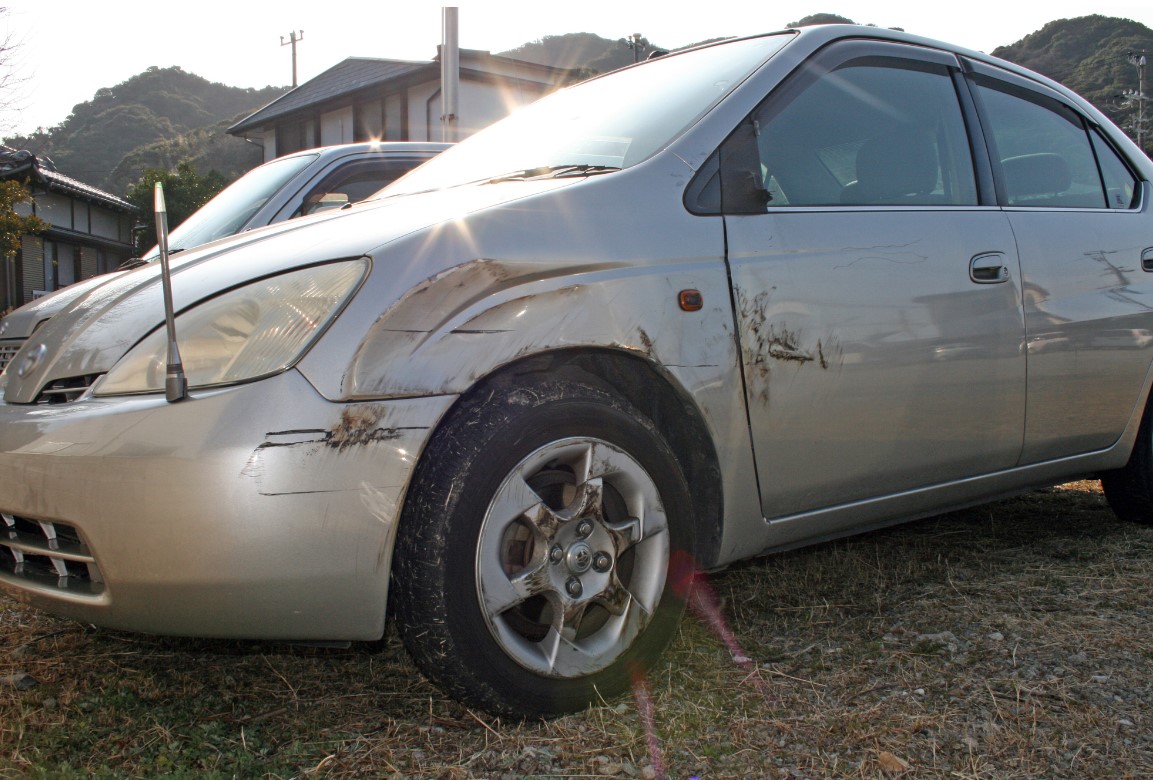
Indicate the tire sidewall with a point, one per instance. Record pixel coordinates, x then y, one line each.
488 442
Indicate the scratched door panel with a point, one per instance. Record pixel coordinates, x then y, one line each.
873 362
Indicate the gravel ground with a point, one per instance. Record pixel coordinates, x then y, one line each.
1007 641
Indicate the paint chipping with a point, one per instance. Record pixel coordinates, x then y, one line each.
358 425
646 340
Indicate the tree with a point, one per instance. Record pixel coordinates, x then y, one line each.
813 19
13 225
185 190
11 80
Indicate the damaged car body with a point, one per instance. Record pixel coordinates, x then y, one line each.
289 187
753 295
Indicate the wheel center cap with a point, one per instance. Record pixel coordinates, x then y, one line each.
579 558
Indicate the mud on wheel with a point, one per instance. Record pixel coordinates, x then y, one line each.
534 568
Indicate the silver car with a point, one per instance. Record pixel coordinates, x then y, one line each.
750 296
291 186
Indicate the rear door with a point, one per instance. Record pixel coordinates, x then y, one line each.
877 289
1082 232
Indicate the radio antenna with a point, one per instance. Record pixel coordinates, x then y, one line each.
175 383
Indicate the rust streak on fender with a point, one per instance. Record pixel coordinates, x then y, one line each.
358 425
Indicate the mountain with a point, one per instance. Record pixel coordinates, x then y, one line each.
1089 55
164 116
588 53
97 141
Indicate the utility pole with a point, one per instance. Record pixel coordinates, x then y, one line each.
450 73
635 43
293 37
1138 60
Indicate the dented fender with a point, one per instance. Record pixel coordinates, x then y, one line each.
462 325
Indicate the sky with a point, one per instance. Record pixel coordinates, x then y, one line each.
68 49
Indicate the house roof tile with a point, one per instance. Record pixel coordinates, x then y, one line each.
357 73
40 170
348 76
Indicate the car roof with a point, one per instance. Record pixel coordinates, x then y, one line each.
387 148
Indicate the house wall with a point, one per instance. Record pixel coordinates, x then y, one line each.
81 213
423 100
85 239
105 223
490 89
480 103
268 141
395 128
337 127
55 209
483 104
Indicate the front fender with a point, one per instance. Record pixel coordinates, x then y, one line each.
470 320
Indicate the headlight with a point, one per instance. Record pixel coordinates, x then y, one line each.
247 333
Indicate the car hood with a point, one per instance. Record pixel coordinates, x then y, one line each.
22 322
95 327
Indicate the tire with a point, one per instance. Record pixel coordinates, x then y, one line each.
538 563
1129 490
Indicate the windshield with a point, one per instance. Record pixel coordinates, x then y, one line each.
233 206
606 123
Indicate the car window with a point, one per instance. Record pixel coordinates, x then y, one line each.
351 183
232 208
1042 147
1120 184
604 122
874 131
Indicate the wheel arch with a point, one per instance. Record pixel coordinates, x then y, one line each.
650 389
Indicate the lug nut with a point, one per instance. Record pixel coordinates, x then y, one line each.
602 562
584 528
556 554
573 587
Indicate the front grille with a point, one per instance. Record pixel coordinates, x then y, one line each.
62 391
8 350
48 554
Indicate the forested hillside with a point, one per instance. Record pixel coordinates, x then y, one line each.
102 138
1089 55
586 52
164 116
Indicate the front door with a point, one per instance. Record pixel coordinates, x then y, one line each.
878 304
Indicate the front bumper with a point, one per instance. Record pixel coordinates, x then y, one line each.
258 511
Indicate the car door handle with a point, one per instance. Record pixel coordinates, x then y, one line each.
1147 260
988 268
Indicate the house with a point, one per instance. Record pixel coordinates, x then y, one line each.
365 99
90 231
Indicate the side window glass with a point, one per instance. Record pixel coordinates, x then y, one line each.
1043 149
352 183
871 132
1120 184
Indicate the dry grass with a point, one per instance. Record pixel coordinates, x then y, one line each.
1008 641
